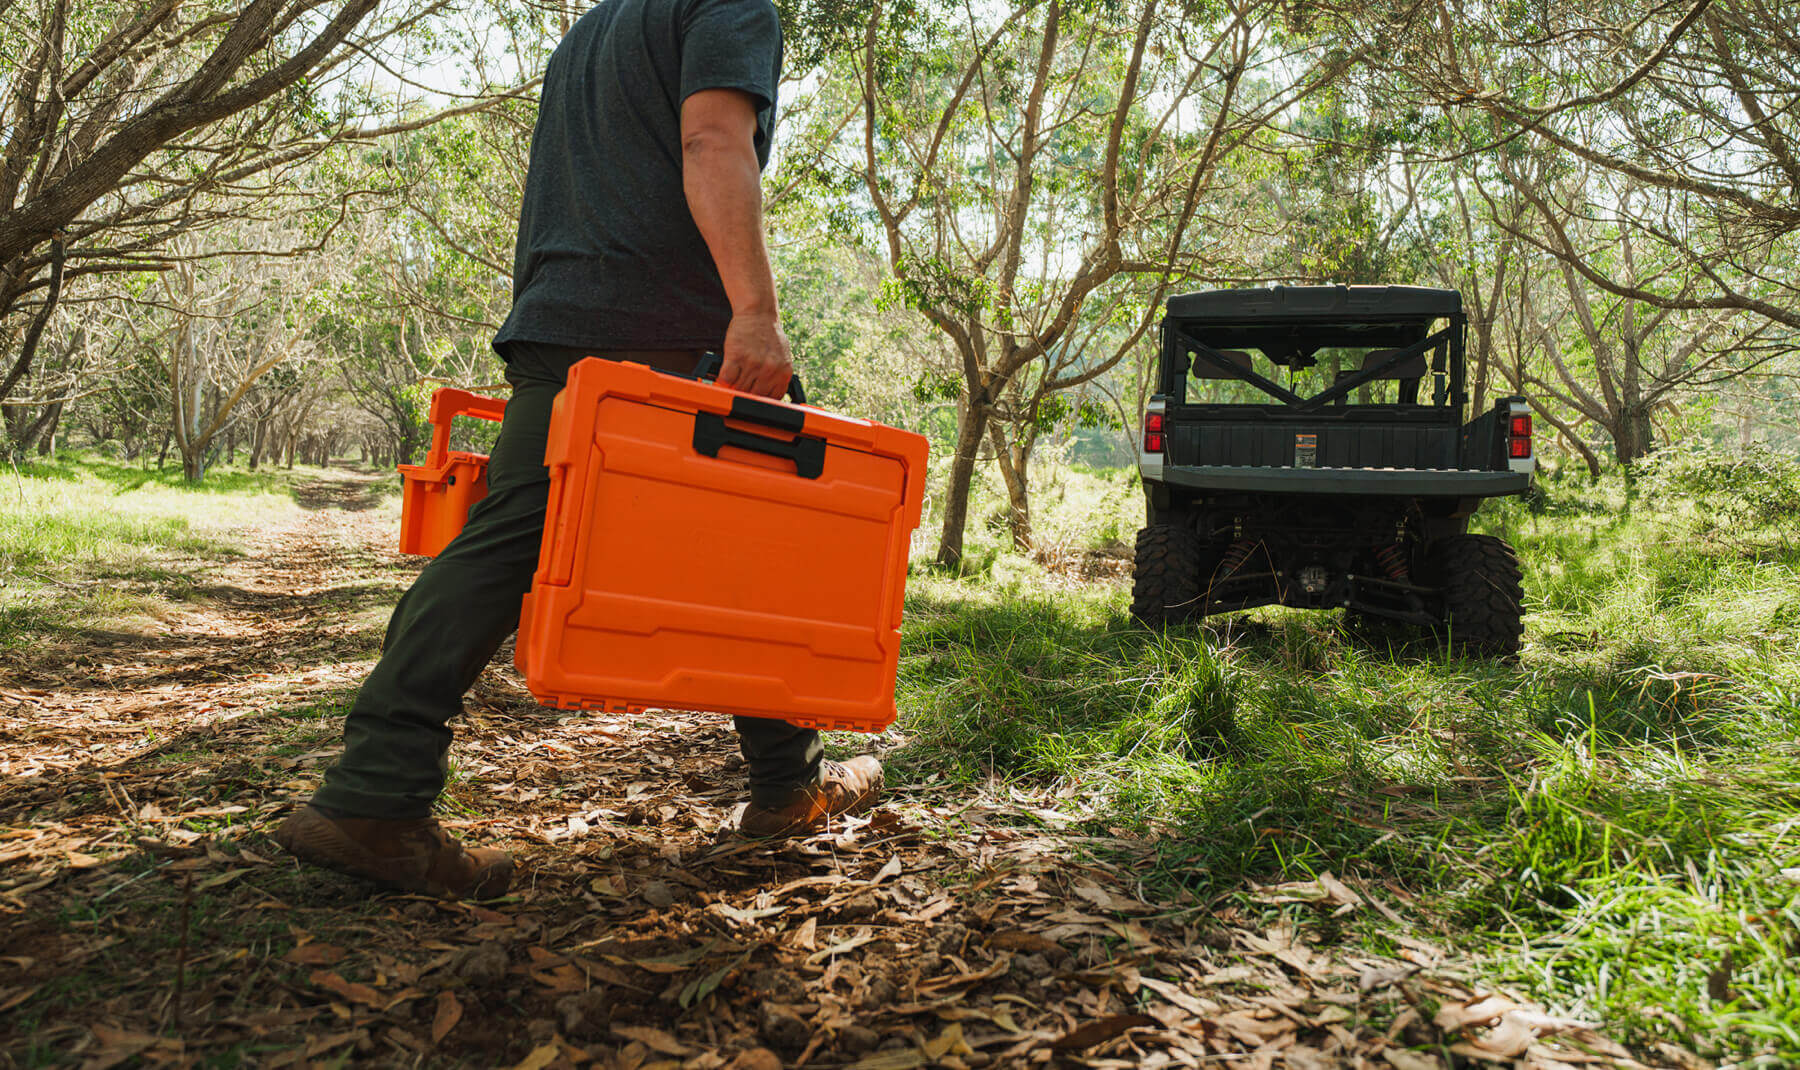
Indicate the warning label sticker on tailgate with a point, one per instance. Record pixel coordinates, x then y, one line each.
1306 451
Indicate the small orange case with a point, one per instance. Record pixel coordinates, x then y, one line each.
435 497
707 550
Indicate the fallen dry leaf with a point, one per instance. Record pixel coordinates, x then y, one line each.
1507 1040
949 1042
904 1059
314 954
964 980
1020 940
561 979
110 1037
1106 900
654 1039
9 999
1453 1017
803 937
1193 1005
220 879
355 993
541 1056
1402 1059
841 948
449 1012
1105 1029
755 1059
336 1040
1326 891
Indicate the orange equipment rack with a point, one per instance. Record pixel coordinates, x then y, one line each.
707 550
436 496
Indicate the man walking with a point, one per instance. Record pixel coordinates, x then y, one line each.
640 239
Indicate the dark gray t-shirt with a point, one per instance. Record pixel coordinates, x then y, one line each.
608 255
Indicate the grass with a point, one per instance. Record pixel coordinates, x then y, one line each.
1605 824
86 542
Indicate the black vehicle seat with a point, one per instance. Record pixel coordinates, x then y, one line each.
1409 372
1205 369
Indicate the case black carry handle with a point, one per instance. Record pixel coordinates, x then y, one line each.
711 432
711 363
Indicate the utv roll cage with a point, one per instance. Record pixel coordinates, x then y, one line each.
1292 336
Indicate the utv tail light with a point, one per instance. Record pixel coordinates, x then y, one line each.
1518 438
1153 432
1520 456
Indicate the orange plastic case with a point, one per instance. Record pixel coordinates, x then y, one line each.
708 550
435 497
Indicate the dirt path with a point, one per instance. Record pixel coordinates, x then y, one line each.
145 915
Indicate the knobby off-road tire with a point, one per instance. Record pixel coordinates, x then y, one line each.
1483 595
1169 574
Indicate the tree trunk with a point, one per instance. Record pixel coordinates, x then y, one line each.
193 465
1633 436
35 331
1632 433
1483 372
46 430
409 445
1014 460
971 422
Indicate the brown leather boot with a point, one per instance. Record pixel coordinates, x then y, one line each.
843 788
411 856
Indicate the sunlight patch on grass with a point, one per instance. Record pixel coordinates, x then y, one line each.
85 542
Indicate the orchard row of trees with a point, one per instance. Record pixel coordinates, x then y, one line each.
276 225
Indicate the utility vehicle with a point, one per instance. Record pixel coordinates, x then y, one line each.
1305 446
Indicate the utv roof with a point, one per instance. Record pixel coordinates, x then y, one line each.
1314 303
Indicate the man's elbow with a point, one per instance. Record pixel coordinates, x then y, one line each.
714 142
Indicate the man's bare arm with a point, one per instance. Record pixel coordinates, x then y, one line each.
723 183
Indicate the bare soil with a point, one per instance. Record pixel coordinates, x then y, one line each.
147 919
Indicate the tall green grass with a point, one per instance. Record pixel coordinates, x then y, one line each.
87 543
1606 823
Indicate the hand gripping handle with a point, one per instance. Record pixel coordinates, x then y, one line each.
710 363
447 404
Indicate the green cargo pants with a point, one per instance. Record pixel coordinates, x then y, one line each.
466 602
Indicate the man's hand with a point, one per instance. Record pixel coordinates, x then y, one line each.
723 183
756 357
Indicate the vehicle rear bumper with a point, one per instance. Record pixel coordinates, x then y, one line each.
1393 482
